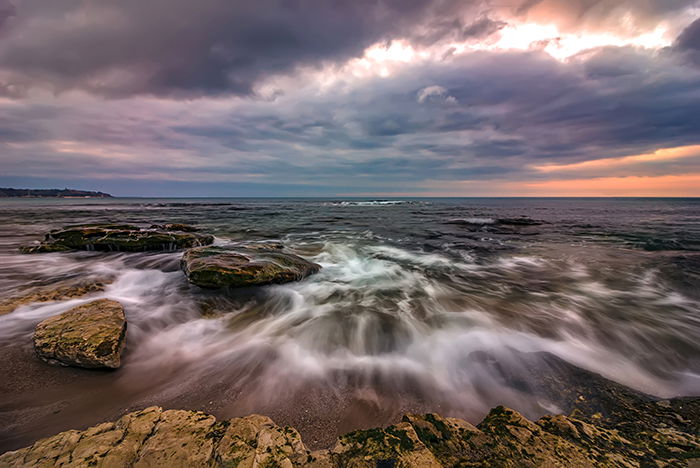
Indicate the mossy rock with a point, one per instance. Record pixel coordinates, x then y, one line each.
117 238
57 292
175 227
91 335
219 267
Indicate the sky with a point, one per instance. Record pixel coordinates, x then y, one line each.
351 97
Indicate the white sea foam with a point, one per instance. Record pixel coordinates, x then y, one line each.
379 311
369 202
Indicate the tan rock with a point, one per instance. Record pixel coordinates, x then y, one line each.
58 292
181 438
174 438
91 335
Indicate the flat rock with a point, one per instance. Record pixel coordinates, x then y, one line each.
58 292
117 238
91 335
248 265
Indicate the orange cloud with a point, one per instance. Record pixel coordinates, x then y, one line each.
660 155
687 185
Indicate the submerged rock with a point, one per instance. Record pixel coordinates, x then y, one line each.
485 222
522 221
116 238
175 438
249 265
91 335
58 292
175 227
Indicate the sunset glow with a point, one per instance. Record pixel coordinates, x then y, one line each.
665 154
475 98
687 185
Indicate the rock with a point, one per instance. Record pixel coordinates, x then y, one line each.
58 292
116 238
251 265
175 227
173 438
522 221
176 438
397 445
91 335
486 221
597 400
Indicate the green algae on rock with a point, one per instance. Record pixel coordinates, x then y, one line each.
91 335
176 438
248 265
116 238
58 292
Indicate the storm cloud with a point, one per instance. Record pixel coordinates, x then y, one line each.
233 98
180 47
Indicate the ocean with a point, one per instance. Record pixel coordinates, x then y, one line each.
422 305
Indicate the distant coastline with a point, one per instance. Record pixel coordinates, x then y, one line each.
50 193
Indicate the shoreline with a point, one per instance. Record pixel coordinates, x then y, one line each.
608 425
50 399
231 353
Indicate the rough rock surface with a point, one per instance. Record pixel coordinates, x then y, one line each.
116 238
175 438
175 227
248 265
59 292
91 335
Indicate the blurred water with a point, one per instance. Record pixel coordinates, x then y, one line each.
421 304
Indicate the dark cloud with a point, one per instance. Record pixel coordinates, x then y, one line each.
689 39
480 115
688 43
180 47
208 47
511 111
7 10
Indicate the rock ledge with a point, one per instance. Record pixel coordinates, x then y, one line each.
176 438
118 238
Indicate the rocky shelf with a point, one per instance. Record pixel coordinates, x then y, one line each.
120 238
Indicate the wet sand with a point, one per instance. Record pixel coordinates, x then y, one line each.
41 400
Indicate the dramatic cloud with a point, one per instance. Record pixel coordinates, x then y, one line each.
168 47
371 96
180 47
